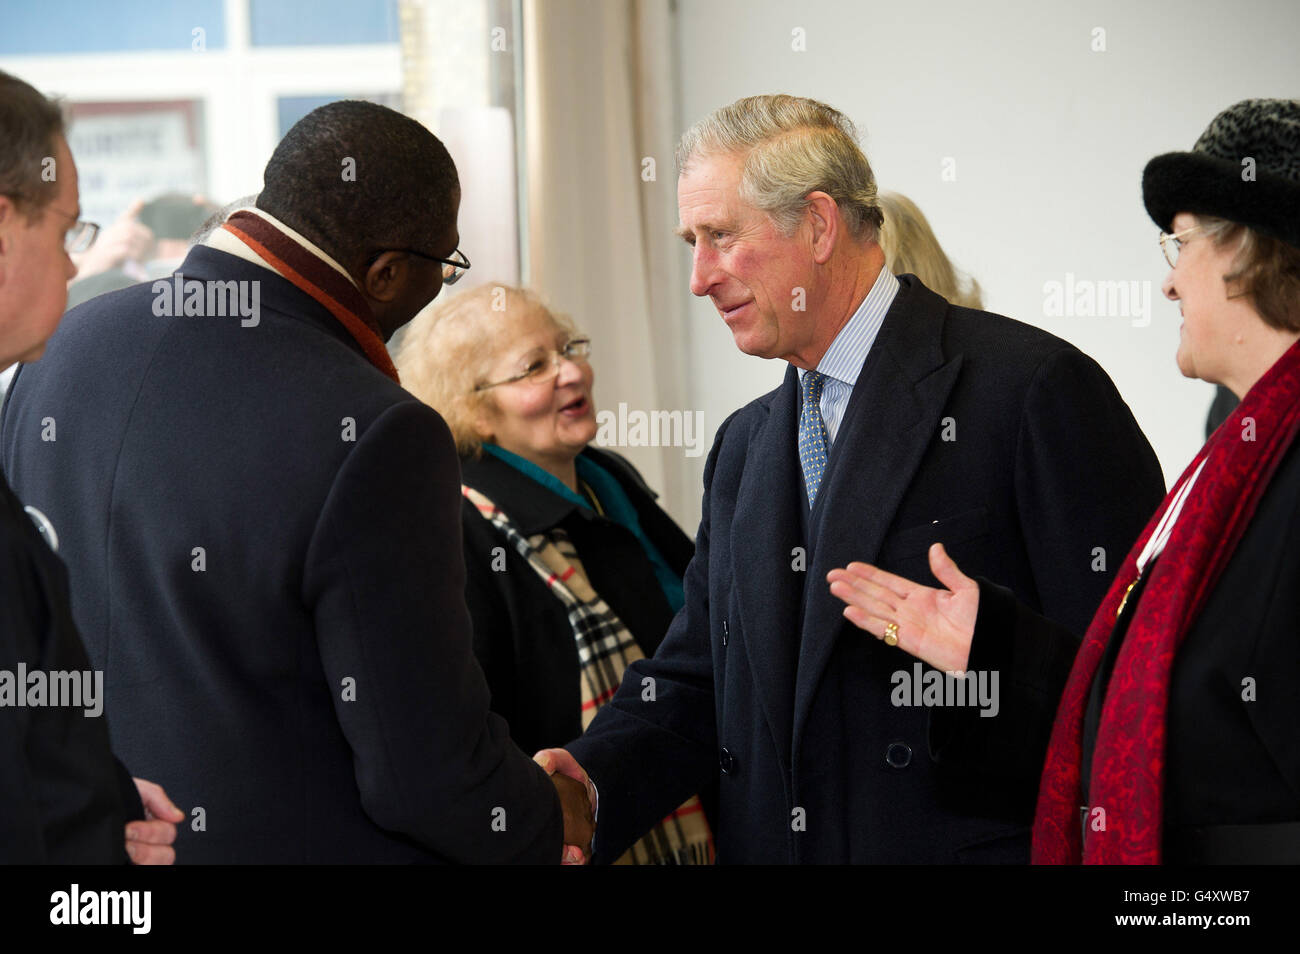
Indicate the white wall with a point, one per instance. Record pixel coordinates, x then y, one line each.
1049 141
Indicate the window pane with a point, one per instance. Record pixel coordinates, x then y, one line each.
129 151
322 22
92 26
292 108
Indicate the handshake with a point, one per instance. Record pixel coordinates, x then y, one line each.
149 842
577 801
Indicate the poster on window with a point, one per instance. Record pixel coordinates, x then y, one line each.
128 151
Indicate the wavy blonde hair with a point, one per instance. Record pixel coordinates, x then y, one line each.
449 348
910 245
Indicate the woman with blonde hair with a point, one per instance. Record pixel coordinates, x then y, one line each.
910 246
573 570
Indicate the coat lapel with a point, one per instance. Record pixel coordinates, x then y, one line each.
765 530
893 415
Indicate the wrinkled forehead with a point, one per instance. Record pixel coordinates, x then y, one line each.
708 192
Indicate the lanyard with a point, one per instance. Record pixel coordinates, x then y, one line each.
1155 544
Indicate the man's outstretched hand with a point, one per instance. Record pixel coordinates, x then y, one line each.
935 626
577 800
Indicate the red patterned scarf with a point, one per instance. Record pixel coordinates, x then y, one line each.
1127 778
318 279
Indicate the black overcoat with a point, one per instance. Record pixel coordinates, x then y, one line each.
1002 441
262 532
522 635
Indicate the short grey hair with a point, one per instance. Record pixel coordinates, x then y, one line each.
218 218
30 126
1265 270
792 146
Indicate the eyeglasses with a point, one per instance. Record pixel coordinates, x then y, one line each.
452 268
1172 242
80 235
540 368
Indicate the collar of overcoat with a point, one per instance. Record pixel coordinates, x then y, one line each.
276 294
790 619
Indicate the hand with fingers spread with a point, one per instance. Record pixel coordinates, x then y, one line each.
936 626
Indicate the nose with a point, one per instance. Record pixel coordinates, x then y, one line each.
568 371
704 266
1167 286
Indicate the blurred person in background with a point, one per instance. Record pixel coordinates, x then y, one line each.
148 241
1179 727
64 798
218 218
573 570
910 247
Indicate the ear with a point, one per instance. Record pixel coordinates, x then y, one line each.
387 276
824 216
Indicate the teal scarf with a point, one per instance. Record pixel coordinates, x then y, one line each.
617 507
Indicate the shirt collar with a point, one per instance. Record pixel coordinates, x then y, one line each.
843 360
223 241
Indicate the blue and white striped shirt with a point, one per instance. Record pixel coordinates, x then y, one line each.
843 359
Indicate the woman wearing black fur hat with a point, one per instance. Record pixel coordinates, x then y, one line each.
1178 732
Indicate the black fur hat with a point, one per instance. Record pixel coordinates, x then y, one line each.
1244 168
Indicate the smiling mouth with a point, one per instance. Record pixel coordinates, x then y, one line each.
576 406
729 313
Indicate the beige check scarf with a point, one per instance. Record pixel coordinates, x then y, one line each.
605 649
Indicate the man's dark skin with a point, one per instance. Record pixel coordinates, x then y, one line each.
397 285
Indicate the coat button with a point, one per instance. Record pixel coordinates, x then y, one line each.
725 632
726 761
899 754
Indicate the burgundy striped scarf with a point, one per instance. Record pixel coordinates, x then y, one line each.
1127 778
318 279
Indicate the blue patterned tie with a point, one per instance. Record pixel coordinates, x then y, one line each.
814 443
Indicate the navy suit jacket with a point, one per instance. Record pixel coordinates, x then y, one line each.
64 799
1004 442
263 537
